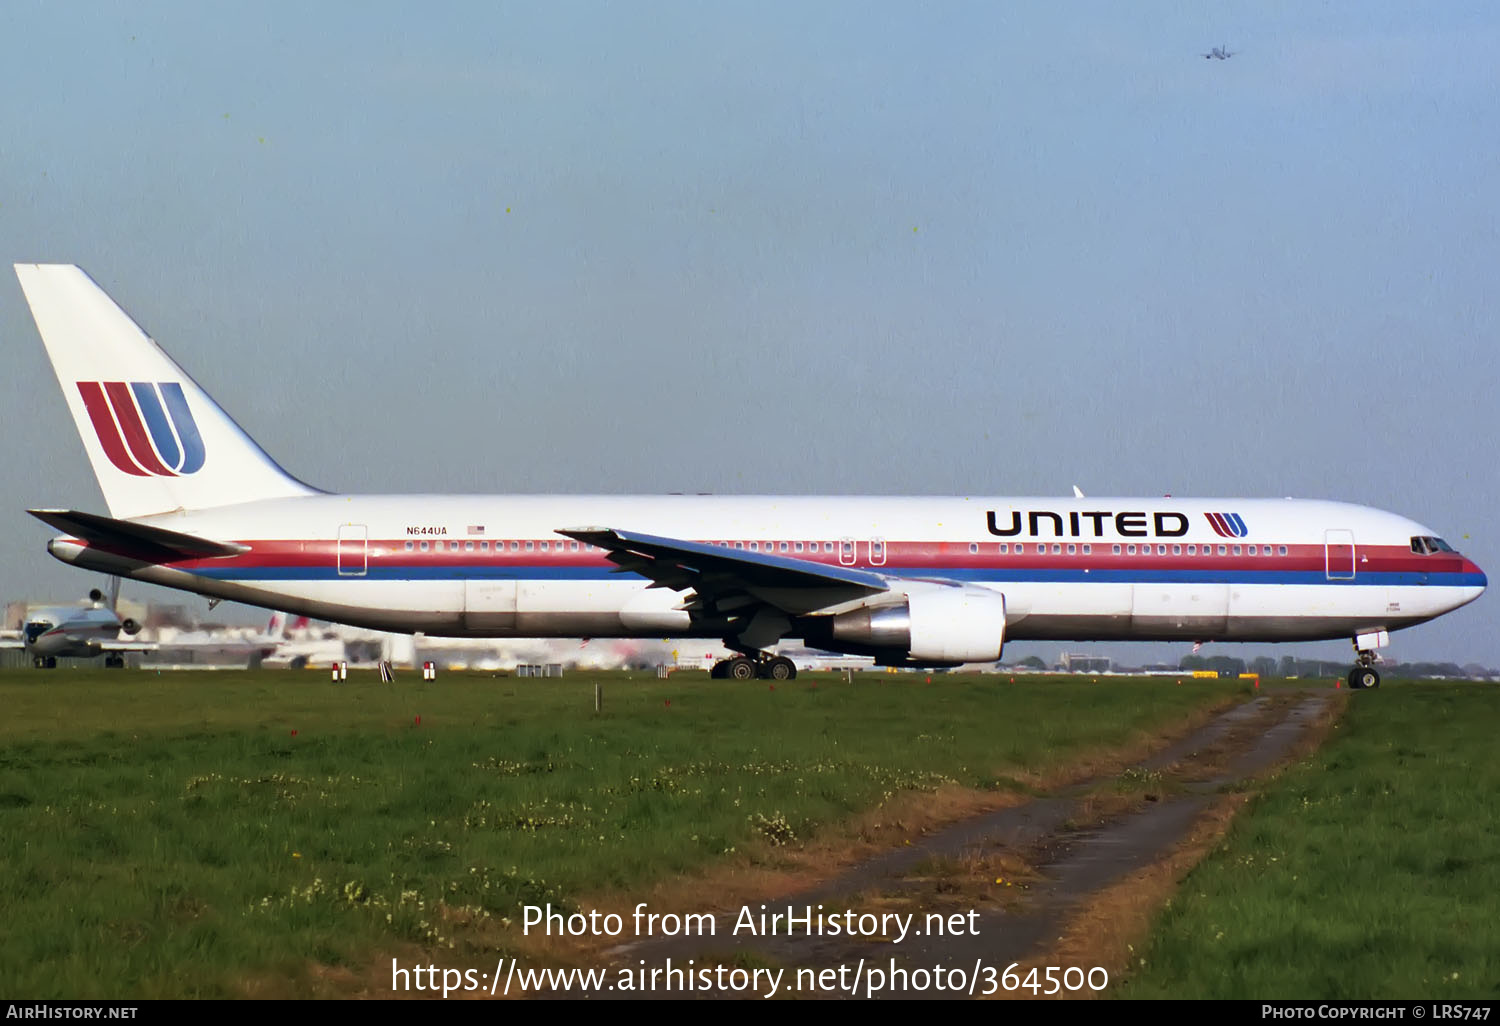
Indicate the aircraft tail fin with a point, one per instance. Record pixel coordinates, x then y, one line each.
282 625
156 441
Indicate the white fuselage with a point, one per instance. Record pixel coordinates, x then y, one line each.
1075 569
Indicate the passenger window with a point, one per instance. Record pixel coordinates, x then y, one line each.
1056 549
1251 550
796 546
1114 549
469 546
484 546
1129 550
828 546
1192 550
1004 548
530 546
515 546
739 545
1087 549
783 546
408 546
1236 550
1222 550
1072 550
1161 550
424 546
1281 550
574 546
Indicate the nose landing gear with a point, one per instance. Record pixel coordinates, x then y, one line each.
1364 674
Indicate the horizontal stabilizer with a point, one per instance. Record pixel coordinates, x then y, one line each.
132 536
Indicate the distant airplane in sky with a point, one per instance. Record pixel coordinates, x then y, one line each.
196 505
78 632
1219 53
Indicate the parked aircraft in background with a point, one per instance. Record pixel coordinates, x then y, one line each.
220 646
1219 53
196 505
78 632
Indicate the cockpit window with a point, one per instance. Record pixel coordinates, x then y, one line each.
1424 545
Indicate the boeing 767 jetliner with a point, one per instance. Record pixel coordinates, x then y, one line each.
195 504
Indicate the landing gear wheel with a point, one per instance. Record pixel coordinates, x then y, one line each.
51 662
780 668
740 669
1362 677
716 672
114 662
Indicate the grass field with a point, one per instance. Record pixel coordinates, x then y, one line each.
197 834
1370 871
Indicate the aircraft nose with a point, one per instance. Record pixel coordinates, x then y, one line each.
1475 581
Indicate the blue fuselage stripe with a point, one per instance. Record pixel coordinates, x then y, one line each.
984 575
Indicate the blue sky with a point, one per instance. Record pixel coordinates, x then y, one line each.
976 249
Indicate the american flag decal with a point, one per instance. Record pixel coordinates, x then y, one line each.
476 528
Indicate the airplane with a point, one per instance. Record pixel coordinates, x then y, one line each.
225 647
195 504
79 632
1219 53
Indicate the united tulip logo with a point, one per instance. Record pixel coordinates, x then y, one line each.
1227 525
146 428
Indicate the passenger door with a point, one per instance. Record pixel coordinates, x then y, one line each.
1338 554
353 550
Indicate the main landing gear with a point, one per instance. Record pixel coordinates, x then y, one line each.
753 665
1363 675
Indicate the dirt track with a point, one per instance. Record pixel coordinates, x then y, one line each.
1030 870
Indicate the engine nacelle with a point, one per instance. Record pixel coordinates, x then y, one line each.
943 624
130 627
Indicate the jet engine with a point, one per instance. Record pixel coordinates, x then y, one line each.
130 627
930 623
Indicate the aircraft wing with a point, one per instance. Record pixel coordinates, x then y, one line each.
127 646
732 584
